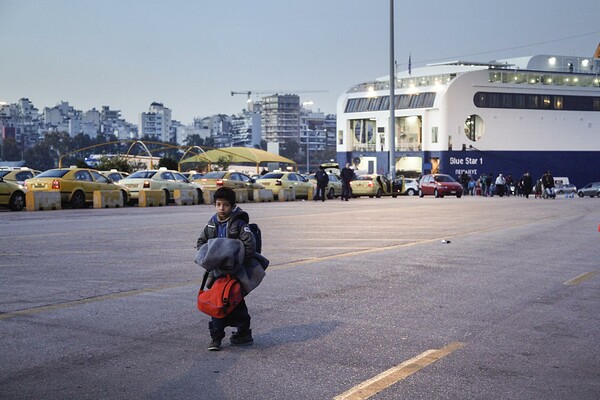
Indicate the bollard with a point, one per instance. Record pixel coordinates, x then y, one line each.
42 200
107 199
151 198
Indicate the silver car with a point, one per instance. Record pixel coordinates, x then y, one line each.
591 189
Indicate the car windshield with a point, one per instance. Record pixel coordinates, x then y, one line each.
142 175
214 175
3 173
272 175
444 178
53 173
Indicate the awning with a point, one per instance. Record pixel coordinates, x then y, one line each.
240 155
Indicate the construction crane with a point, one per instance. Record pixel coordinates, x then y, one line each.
250 92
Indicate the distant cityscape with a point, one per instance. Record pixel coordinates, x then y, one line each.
272 119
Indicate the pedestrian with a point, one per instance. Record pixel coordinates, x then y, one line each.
500 185
231 222
548 185
526 184
322 181
347 176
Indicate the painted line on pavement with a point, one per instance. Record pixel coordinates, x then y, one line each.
395 374
578 279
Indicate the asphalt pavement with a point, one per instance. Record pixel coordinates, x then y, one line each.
406 298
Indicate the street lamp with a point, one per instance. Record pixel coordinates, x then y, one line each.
307 151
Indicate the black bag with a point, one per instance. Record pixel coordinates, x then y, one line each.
257 236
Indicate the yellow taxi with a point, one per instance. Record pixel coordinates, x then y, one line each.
12 194
115 175
231 179
76 185
159 179
277 179
334 187
374 185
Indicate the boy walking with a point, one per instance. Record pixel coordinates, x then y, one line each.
231 222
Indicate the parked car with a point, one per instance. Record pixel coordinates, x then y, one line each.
439 185
192 175
277 180
411 186
565 188
17 174
372 185
76 185
159 179
235 180
12 194
334 187
115 175
591 189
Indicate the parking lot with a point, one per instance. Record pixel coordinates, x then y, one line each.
404 298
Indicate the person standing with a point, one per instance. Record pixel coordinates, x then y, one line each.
231 222
347 176
526 184
322 182
500 185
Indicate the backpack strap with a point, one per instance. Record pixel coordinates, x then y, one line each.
204 279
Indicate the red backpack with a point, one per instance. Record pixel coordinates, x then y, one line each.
223 296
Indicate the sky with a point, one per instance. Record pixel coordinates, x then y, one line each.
190 54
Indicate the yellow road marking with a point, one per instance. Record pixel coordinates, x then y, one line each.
395 374
580 278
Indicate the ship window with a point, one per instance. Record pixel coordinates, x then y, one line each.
558 102
474 127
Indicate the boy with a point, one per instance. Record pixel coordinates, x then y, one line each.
229 222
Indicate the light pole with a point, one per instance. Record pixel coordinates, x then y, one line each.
392 141
307 151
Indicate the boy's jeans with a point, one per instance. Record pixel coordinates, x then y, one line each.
238 318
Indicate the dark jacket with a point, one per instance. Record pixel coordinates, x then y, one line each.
347 175
322 178
237 228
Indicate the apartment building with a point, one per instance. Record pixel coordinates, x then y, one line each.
280 118
156 123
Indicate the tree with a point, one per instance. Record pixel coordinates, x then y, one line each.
118 163
168 163
291 150
223 163
41 157
11 151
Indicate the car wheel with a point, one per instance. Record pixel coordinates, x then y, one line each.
124 194
436 193
410 192
458 195
78 199
421 194
331 194
200 198
17 201
379 193
580 194
167 197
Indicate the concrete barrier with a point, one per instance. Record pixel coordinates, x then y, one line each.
311 194
42 200
261 195
185 197
286 194
208 196
108 199
241 195
151 198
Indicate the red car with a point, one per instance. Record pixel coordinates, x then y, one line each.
440 185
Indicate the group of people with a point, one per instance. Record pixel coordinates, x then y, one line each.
488 185
346 175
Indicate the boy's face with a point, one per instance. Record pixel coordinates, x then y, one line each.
223 209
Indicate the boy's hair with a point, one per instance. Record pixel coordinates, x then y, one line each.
225 193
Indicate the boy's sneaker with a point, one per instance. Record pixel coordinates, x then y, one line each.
215 345
244 339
